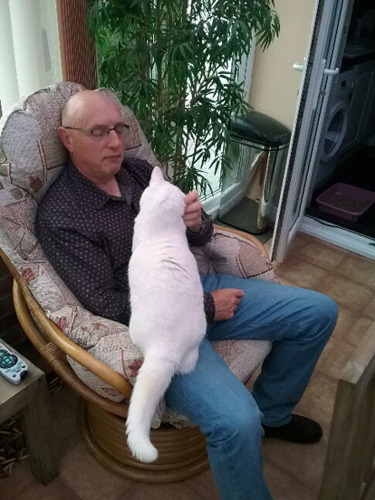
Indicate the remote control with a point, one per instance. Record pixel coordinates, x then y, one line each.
12 367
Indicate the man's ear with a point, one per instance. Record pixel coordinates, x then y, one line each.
65 138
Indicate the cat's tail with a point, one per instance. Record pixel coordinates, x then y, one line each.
152 381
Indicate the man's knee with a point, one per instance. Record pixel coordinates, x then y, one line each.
326 311
331 309
238 424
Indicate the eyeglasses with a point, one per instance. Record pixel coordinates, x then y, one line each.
101 131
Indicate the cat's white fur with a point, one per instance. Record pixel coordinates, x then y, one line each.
167 314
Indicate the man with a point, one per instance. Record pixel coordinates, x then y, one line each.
85 225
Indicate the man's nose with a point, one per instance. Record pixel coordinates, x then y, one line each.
114 139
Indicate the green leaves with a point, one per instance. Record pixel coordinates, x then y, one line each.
174 63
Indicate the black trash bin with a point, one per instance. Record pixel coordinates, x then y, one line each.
251 189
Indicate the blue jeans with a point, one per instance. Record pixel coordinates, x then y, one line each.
299 322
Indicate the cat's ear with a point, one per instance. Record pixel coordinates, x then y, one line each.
157 175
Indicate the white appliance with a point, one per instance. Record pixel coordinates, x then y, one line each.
363 103
338 129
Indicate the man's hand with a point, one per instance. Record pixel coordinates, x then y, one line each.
193 212
226 302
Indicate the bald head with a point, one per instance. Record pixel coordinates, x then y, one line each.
80 105
97 157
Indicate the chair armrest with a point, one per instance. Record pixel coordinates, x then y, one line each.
28 309
24 302
247 236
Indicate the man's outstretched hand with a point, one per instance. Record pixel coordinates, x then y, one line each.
226 302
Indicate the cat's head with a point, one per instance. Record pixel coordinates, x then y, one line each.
162 196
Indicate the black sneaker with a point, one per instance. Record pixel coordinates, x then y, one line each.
298 430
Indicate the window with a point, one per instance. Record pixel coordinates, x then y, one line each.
211 202
29 48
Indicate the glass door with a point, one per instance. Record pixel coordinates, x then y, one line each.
329 29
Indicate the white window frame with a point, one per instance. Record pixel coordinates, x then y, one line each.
211 203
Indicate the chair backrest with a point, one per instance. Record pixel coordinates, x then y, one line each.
31 158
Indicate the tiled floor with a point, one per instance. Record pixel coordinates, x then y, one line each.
293 471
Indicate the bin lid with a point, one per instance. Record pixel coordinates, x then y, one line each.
261 129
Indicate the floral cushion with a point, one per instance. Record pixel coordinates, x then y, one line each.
31 157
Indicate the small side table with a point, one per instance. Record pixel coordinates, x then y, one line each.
30 399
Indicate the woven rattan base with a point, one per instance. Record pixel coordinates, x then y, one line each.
182 452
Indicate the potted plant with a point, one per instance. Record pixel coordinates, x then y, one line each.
175 63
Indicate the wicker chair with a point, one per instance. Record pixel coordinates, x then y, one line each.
94 355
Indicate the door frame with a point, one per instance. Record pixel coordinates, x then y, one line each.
324 55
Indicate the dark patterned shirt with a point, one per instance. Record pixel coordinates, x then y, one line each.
87 235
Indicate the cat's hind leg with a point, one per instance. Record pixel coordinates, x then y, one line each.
189 360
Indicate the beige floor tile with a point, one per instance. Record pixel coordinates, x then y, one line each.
334 357
352 295
318 400
175 491
345 322
369 310
322 255
305 462
56 490
302 462
358 330
285 487
83 474
301 240
359 269
302 274
204 485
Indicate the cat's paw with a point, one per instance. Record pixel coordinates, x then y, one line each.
142 449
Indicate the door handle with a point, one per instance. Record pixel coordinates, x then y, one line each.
332 72
298 66
329 72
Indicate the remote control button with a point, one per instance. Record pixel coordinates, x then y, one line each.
7 360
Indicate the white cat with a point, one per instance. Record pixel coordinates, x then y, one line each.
167 320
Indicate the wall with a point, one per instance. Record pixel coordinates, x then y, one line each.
275 84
